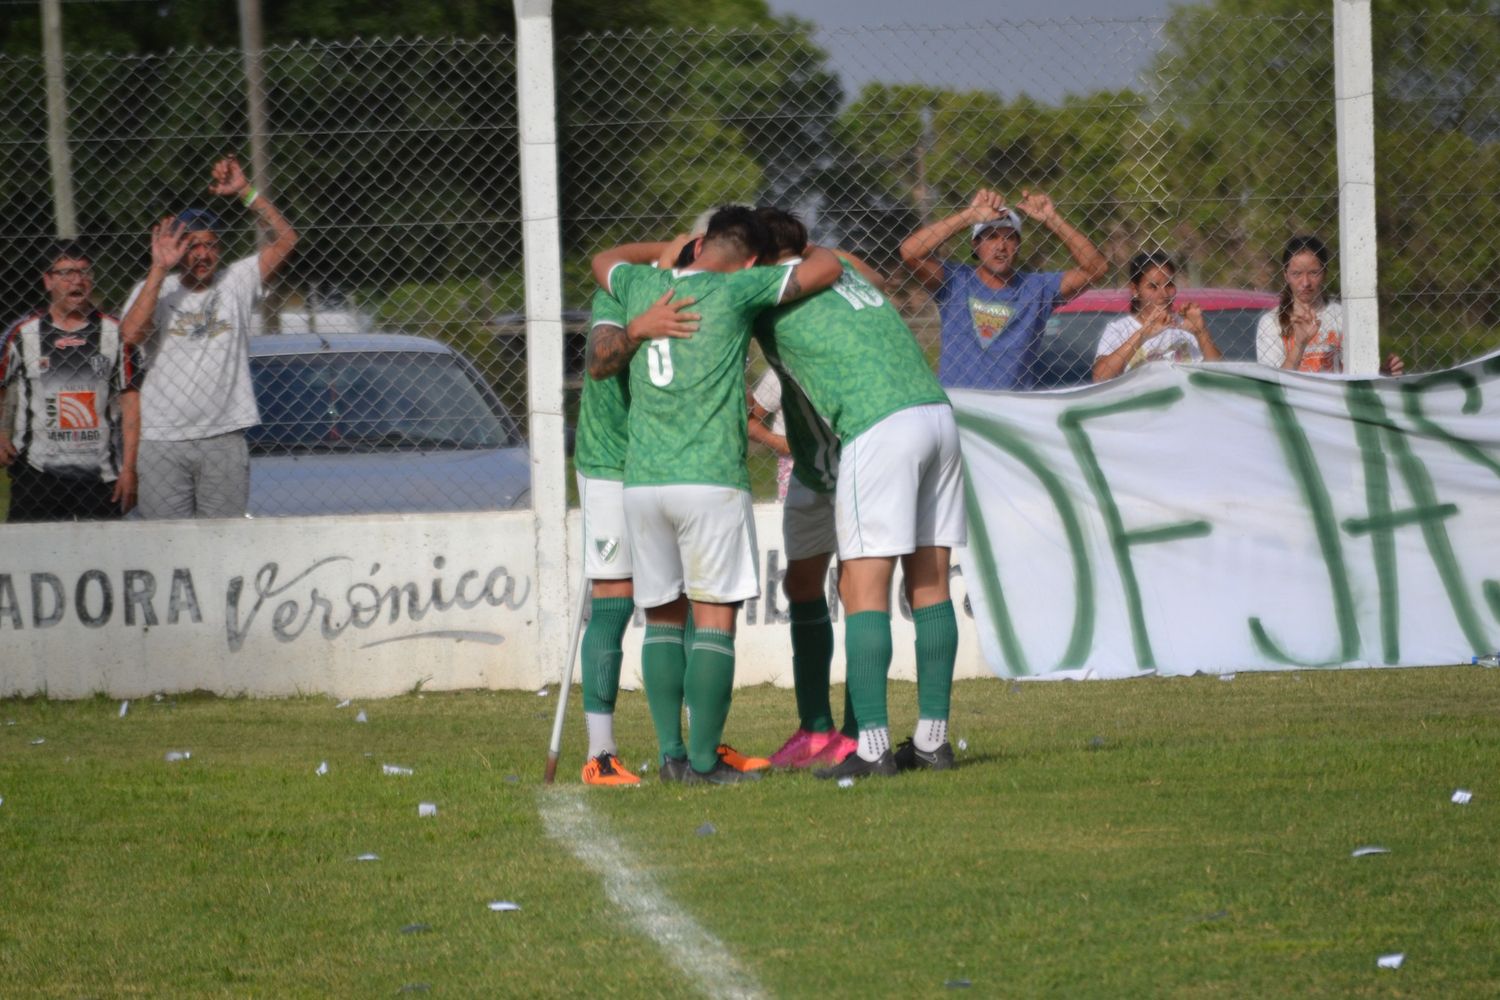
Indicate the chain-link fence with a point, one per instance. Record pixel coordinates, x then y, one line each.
1206 137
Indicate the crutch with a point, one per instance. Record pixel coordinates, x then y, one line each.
554 749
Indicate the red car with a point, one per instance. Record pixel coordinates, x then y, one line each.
1066 354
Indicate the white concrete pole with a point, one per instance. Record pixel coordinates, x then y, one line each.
1354 104
63 212
541 242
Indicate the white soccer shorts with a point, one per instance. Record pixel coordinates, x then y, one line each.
900 486
606 549
807 522
694 540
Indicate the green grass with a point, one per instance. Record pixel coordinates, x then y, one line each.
1164 837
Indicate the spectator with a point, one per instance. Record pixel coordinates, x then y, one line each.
196 325
765 403
78 418
992 316
1154 329
1306 332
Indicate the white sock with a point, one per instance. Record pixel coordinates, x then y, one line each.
601 728
873 742
930 734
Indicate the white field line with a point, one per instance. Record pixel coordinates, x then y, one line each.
697 953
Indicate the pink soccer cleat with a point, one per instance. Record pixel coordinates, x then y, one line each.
833 754
803 746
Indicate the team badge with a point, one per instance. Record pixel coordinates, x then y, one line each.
607 548
76 411
990 319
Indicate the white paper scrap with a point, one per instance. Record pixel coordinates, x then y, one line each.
343 704
426 808
1462 796
1364 852
394 769
1226 677
542 693
1391 961
39 741
504 906
124 707
846 782
173 756
963 744
322 769
361 717
368 857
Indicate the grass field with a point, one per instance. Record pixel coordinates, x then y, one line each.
1166 837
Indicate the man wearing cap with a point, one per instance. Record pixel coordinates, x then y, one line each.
992 315
196 324
78 401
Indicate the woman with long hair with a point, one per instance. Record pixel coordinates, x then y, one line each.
1305 333
1157 328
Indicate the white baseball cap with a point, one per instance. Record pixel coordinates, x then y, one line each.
1008 220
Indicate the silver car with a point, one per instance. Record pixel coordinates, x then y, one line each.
378 423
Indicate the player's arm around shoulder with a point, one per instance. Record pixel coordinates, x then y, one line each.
819 269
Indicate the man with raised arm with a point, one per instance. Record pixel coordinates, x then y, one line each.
195 317
687 492
992 315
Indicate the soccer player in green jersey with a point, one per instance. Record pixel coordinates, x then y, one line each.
687 492
599 459
899 494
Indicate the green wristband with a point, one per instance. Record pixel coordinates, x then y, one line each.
249 196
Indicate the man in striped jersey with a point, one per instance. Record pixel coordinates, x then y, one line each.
78 414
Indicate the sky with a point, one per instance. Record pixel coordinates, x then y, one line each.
1045 48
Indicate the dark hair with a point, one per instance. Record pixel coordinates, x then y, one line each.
784 231
57 250
1143 262
1302 243
739 229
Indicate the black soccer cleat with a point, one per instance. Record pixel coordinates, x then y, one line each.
855 766
909 758
722 774
673 769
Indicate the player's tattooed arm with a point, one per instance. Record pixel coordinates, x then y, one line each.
610 347
818 270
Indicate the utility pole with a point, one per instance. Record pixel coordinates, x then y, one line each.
57 121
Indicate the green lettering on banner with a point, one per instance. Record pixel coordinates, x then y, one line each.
1412 391
983 552
1426 512
1366 411
1120 540
1299 459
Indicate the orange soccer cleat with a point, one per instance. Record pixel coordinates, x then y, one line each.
739 761
606 769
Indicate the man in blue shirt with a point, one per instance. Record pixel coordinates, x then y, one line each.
992 315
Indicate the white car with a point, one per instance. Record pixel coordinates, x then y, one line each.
378 423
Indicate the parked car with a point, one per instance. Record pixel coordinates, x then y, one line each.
378 423
1066 355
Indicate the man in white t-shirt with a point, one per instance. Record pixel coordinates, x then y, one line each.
195 323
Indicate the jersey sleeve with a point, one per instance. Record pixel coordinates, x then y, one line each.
245 274
1115 333
606 310
954 277
1269 350
759 288
1051 285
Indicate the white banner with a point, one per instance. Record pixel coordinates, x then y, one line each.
1234 517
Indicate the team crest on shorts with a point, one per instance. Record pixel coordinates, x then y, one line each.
607 548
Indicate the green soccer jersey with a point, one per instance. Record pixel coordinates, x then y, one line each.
687 395
814 445
599 451
851 353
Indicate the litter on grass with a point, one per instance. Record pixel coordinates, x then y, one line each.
1365 852
512 778
1462 796
1226 677
361 717
173 756
416 928
39 741
426 808
504 906
846 782
322 769
1391 961
542 693
343 704
124 707
707 830
368 857
958 984
394 769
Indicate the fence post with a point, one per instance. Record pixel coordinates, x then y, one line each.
57 122
1354 108
541 243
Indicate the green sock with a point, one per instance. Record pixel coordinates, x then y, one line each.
937 649
867 646
602 652
812 657
709 688
850 728
662 668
